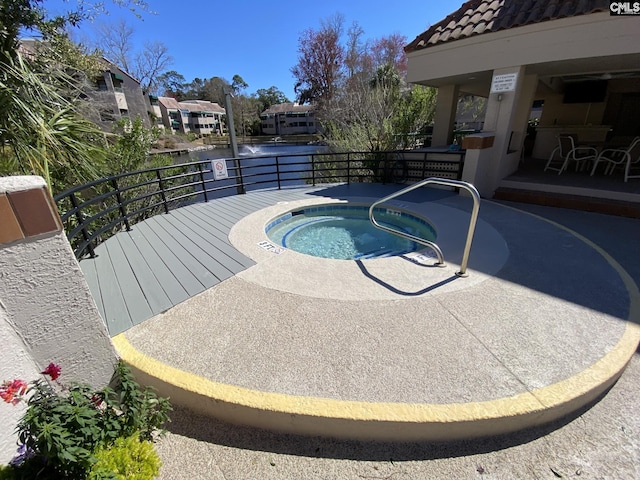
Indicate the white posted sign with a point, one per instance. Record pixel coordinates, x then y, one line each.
504 83
219 168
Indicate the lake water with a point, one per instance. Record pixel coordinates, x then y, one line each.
257 163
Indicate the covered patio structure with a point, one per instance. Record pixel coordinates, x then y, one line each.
575 61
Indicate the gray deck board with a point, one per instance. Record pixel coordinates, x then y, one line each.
215 217
90 274
169 258
167 280
207 252
154 294
133 296
233 209
228 219
181 273
116 315
167 233
216 238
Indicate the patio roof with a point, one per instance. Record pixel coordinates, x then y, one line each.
483 16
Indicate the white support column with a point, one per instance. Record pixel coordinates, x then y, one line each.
445 116
499 160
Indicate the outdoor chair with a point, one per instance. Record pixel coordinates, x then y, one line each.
615 157
566 152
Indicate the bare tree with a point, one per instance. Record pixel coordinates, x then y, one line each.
150 63
389 50
356 51
320 61
361 116
116 42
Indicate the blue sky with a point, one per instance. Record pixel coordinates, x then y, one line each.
258 40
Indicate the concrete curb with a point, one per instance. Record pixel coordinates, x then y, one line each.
378 420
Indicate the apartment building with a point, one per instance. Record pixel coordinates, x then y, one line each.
118 96
288 119
155 112
198 116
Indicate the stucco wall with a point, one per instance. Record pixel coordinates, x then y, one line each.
16 363
50 306
47 313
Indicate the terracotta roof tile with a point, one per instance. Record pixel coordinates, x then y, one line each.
468 30
475 17
487 16
479 28
456 32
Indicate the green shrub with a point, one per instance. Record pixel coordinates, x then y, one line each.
127 459
63 426
7 473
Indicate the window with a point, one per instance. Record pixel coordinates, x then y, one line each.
107 116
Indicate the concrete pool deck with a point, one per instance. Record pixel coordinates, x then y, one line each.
395 349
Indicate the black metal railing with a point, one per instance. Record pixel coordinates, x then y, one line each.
93 212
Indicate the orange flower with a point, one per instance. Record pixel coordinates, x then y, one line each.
12 391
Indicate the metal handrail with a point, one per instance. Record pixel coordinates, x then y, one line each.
472 222
94 211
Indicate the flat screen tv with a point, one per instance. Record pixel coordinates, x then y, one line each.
588 91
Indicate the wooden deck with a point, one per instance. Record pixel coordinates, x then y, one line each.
170 258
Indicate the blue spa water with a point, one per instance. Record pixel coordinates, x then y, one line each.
344 232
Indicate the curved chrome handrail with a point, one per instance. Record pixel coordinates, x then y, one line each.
472 222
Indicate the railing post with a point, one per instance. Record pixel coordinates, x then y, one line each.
348 169
123 212
424 166
204 186
240 179
278 172
460 164
80 217
162 193
385 168
313 170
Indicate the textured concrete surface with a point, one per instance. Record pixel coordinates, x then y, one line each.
555 307
443 350
602 442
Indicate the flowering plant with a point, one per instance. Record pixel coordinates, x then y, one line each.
64 426
12 391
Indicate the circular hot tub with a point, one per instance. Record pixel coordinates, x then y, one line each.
344 232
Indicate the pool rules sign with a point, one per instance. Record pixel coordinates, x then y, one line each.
504 83
219 168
